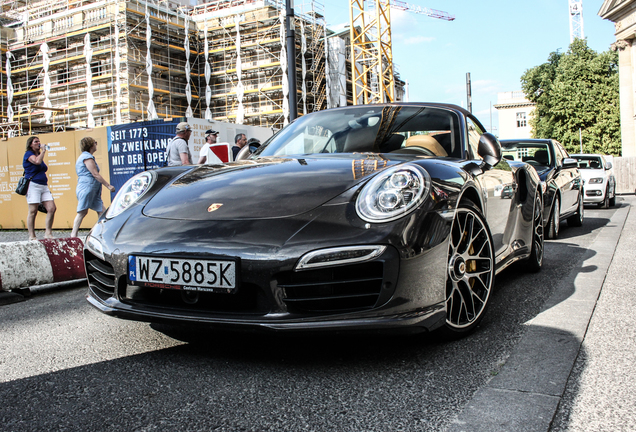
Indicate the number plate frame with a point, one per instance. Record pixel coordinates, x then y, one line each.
158 264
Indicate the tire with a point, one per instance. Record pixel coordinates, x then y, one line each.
605 203
612 201
470 271
554 222
535 260
576 220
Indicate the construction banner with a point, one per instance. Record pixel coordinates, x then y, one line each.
9 176
137 147
62 179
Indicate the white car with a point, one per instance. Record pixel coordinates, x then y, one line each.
598 179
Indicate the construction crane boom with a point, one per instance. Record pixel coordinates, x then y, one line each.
373 80
433 13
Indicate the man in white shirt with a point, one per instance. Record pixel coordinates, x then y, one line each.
210 139
177 152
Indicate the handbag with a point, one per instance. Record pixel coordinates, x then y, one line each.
23 185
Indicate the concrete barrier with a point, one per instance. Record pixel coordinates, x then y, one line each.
29 263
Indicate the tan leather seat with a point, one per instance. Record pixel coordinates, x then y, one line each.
427 142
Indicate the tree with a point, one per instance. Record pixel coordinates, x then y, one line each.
578 89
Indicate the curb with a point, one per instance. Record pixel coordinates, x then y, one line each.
47 261
522 397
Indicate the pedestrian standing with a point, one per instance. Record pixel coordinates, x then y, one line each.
210 138
239 142
177 151
89 183
39 192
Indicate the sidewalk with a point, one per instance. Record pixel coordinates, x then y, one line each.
601 391
10 235
573 368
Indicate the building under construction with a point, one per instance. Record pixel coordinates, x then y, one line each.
85 63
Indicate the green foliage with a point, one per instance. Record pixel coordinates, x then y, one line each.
578 89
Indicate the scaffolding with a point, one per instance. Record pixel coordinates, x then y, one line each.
245 44
85 63
88 60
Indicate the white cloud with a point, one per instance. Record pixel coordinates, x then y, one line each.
415 40
486 86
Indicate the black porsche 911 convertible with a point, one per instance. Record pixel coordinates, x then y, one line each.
363 217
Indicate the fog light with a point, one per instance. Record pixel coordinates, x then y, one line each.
339 256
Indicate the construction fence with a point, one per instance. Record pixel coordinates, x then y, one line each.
122 151
625 173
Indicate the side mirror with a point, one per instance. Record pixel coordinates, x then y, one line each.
489 149
570 163
243 153
608 165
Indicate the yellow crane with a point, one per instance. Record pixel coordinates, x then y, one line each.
371 48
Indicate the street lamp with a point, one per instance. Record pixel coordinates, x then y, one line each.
291 59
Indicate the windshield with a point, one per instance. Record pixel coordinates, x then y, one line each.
423 131
589 162
536 154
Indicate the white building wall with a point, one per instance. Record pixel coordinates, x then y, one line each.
515 112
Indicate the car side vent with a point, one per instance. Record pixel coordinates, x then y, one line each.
101 276
343 288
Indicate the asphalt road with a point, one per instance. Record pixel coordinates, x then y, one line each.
65 366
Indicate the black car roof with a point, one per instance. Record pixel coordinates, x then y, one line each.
528 140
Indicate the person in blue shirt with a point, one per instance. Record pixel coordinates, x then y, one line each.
38 192
89 183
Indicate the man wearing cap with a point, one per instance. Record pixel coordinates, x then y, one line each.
210 139
177 151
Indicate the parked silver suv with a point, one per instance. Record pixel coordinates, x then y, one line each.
598 179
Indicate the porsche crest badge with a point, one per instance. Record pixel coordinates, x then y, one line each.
214 207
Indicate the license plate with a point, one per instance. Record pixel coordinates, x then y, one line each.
187 274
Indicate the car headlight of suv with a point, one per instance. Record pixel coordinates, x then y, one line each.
393 193
596 180
130 193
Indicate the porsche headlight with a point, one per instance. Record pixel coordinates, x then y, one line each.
596 180
393 193
132 190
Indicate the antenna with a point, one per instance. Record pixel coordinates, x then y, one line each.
576 20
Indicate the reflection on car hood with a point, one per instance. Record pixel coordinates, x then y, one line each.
266 188
543 171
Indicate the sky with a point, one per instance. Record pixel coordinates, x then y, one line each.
495 41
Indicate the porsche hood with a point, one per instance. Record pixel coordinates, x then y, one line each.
263 189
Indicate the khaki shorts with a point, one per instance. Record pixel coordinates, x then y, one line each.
38 193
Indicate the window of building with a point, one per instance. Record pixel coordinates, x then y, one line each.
62 76
96 68
521 119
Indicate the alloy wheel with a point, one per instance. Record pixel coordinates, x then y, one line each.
555 220
537 233
470 270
